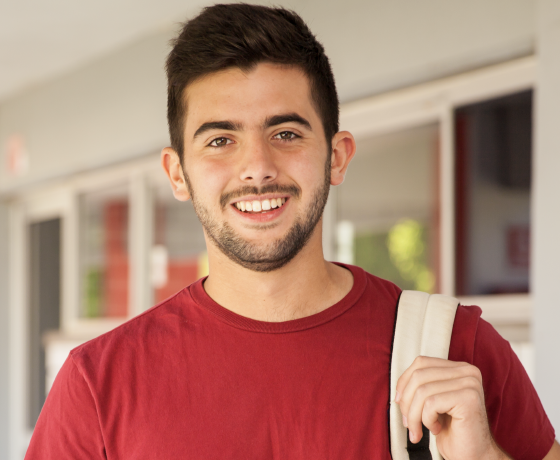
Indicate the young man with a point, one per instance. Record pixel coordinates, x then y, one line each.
277 353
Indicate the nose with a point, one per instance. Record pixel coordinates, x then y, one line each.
258 166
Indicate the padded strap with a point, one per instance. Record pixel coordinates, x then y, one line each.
423 328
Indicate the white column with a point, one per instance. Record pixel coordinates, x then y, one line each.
19 433
329 226
140 231
545 272
5 318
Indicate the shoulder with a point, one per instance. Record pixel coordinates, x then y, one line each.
468 328
383 288
375 300
148 331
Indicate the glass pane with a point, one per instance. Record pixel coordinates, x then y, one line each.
387 208
493 180
44 306
178 255
104 253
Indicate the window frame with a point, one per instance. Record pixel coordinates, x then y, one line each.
61 199
435 102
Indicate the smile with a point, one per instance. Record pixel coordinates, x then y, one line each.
263 206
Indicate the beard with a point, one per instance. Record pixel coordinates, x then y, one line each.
277 253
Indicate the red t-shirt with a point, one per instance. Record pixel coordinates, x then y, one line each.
189 379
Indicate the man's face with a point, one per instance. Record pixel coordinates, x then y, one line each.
256 162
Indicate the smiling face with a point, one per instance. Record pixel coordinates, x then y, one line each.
256 163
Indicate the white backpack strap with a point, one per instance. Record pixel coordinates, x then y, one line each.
423 328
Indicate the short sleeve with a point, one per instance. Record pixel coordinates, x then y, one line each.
68 426
517 418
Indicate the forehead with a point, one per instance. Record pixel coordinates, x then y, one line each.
249 96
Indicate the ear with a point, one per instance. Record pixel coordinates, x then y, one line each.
172 166
344 148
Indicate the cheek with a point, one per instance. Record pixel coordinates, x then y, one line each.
208 180
309 177
311 169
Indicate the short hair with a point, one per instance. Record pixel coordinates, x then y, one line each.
242 36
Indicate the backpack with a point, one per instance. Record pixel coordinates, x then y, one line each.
423 327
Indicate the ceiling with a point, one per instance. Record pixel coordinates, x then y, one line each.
40 39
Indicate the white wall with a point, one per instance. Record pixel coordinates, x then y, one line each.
546 222
114 108
111 110
376 45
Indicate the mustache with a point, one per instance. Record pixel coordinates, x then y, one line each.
252 190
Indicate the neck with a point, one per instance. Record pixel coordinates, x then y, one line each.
305 286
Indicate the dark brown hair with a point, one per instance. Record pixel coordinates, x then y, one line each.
241 35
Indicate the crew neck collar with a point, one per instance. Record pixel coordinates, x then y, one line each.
202 299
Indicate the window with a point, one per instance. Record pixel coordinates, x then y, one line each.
103 261
388 208
493 195
178 255
44 306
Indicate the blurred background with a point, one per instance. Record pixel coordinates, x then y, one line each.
455 106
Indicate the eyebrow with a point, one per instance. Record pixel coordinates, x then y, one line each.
286 118
226 125
269 122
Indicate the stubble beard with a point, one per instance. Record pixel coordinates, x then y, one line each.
277 253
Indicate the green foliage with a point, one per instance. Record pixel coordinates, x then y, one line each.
93 291
406 242
399 255
372 254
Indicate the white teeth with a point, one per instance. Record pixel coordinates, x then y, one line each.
258 206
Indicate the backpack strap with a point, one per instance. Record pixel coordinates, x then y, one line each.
423 328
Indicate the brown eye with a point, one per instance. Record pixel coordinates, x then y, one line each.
220 142
286 136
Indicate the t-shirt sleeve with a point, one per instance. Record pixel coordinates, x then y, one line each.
68 426
517 418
